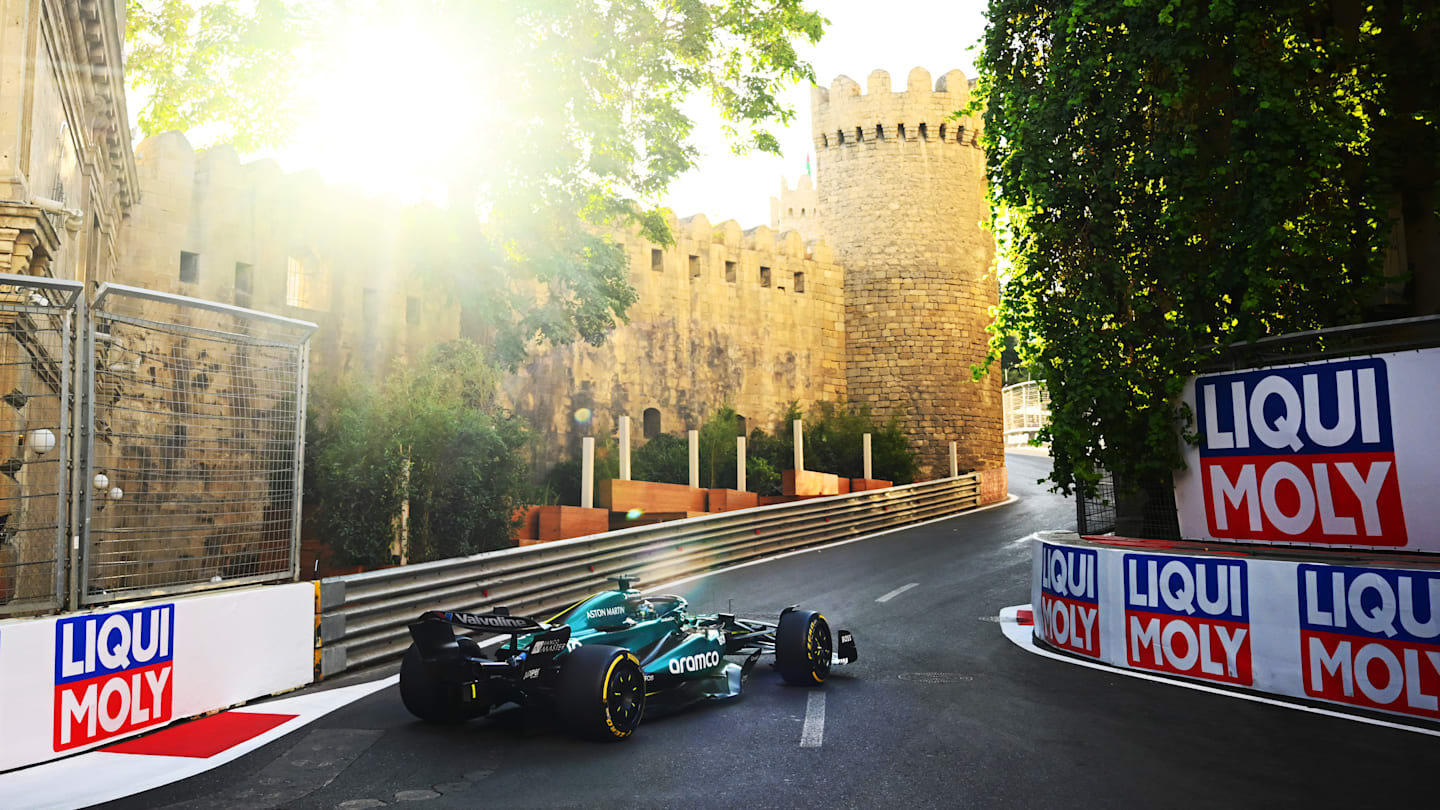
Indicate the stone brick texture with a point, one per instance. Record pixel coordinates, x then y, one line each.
902 202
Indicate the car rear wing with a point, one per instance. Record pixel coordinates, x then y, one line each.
494 622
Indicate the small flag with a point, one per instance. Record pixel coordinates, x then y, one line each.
807 165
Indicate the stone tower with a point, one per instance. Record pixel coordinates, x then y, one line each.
901 195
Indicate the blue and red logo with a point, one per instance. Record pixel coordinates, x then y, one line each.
1070 599
1371 637
1303 454
1188 616
112 673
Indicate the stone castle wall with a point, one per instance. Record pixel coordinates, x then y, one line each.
893 317
753 319
707 330
902 198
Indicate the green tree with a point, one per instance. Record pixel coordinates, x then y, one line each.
432 434
1172 177
577 124
664 459
223 65
717 449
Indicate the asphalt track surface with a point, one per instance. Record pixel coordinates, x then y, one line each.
941 711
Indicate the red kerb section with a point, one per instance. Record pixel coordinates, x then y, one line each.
202 738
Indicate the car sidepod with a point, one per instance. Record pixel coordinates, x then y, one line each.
687 666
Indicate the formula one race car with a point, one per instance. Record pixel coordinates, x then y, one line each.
605 660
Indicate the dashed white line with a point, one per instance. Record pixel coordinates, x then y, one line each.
891 595
813 733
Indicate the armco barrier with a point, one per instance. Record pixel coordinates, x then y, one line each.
1356 634
363 617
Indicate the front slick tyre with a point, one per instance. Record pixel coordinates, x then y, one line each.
802 648
600 692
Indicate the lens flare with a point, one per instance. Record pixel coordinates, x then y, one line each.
634 513
582 416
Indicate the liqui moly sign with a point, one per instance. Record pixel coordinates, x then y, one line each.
1371 637
1188 616
1070 599
112 673
1333 454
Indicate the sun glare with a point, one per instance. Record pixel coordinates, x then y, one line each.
389 110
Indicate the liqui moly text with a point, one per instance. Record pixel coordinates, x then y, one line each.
1371 637
112 673
1070 599
1188 616
1301 454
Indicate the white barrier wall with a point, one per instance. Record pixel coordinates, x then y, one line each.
1343 453
82 680
1361 636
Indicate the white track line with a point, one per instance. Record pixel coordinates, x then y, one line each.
891 595
1024 638
813 733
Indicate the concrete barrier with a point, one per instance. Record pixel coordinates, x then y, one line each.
1365 635
83 680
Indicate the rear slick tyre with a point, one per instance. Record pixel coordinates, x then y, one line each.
600 692
803 648
427 697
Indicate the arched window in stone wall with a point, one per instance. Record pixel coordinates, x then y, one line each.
924 133
652 422
859 135
900 131
942 132
879 132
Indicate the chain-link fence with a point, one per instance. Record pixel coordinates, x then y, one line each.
37 321
1026 409
1096 515
192 470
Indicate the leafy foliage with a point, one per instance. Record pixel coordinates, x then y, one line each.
465 477
1172 177
224 65
664 459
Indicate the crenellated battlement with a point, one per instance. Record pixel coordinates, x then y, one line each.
797 209
842 116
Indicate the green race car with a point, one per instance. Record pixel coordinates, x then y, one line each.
606 660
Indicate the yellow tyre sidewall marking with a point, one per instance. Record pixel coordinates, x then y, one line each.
605 691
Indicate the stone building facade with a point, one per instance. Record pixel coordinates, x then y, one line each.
67 180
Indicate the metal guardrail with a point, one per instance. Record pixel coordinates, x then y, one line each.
362 618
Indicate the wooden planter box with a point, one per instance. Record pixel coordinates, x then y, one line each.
809 483
622 496
528 518
866 484
728 500
622 520
560 522
766 500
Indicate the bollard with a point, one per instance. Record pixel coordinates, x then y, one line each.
624 448
694 458
740 463
865 443
954 461
587 472
799 447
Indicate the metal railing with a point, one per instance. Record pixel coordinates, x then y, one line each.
38 318
1026 408
363 617
193 457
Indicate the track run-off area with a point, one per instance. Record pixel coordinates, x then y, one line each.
941 711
